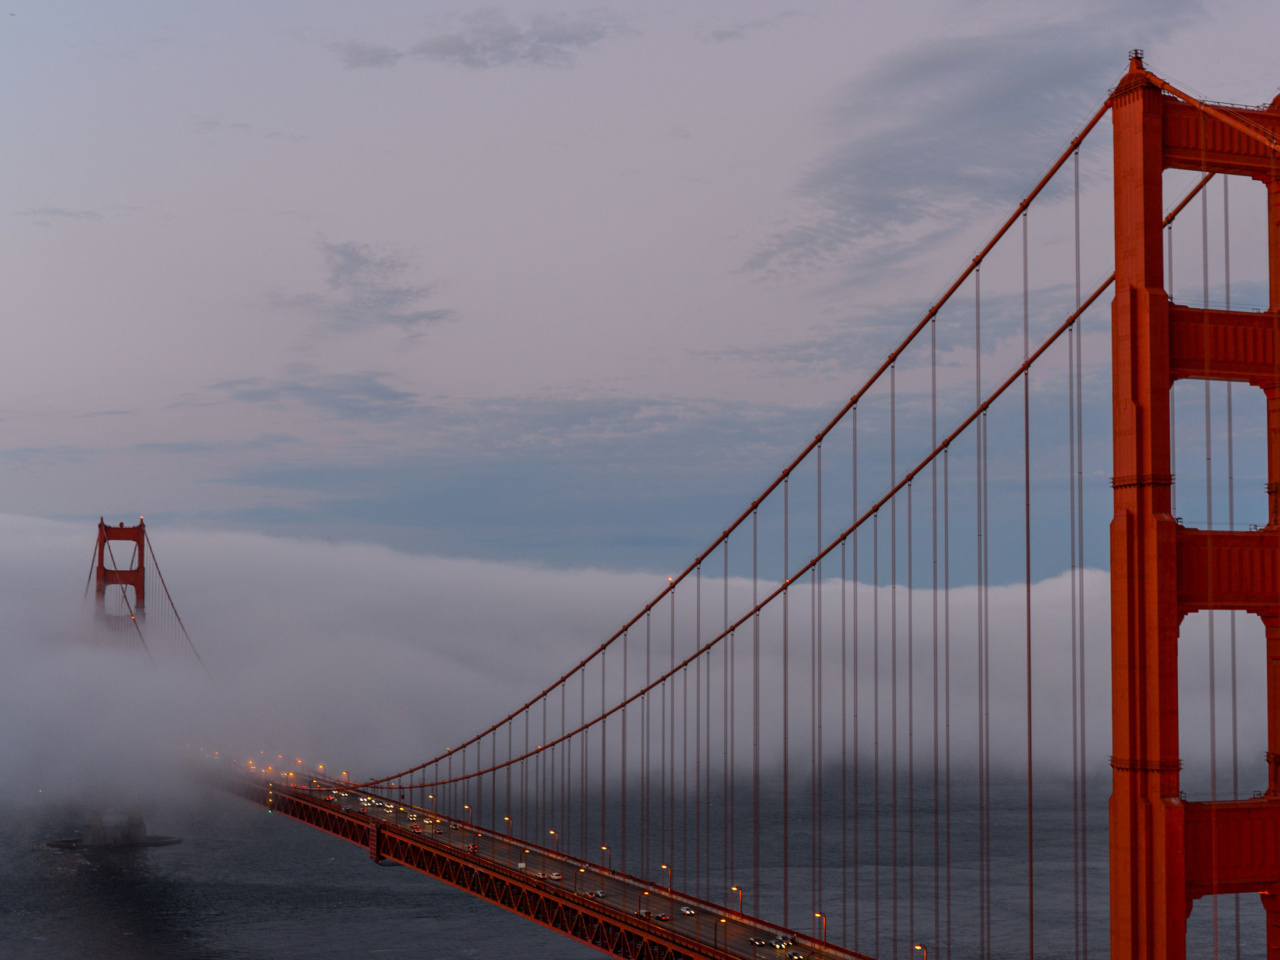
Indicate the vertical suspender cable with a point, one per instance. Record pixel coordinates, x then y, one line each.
566 756
946 671
1231 525
706 807
604 766
786 711
663 752
671 773
979 463
583 771
699 863
755 714
910 732
546 782
623 738
816 695
646 749
1078 835
1084 755
933 534
893 665
726 790
875 721
844 744
1208 507
684 776
1026 527
857 753
1077 878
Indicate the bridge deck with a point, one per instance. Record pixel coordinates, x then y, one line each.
590 903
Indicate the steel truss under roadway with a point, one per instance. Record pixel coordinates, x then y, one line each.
611 929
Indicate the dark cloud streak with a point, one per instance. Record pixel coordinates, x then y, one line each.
366 290
487 39
941 132
360 396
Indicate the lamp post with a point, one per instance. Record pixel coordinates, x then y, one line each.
824 925
738 891
715 935
508 821
643 893
557 836
610 853
577 876
923 949
669 884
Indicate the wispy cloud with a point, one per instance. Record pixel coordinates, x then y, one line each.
736 31
187 448
366 288
943 130
356 55
488 38
46 214
61 454
360 396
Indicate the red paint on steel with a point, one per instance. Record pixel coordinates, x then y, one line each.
107 576
1166 852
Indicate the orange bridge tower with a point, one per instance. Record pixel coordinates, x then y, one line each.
1165 852
110 571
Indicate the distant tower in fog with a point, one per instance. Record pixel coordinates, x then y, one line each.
124 565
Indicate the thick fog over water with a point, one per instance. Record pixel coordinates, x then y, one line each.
368 660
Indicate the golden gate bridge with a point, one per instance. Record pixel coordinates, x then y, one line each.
766 759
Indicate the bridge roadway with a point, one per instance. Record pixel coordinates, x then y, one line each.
591 903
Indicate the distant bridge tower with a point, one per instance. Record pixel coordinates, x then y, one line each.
1165 851
133 575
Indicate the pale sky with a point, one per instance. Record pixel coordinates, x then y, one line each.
555 283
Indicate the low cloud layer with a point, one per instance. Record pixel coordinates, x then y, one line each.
368 660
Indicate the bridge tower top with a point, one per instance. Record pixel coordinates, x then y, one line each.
109 569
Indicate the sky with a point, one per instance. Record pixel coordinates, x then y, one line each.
558 284
431 338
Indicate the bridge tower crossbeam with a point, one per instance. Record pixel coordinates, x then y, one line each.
1164 851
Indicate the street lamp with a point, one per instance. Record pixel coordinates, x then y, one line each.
643 893
508 819
824 925
669 884
557 836
715 935
923 949
467 808
738 891
577 877
610 853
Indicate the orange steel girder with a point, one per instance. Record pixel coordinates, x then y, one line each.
1165 852
107 577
